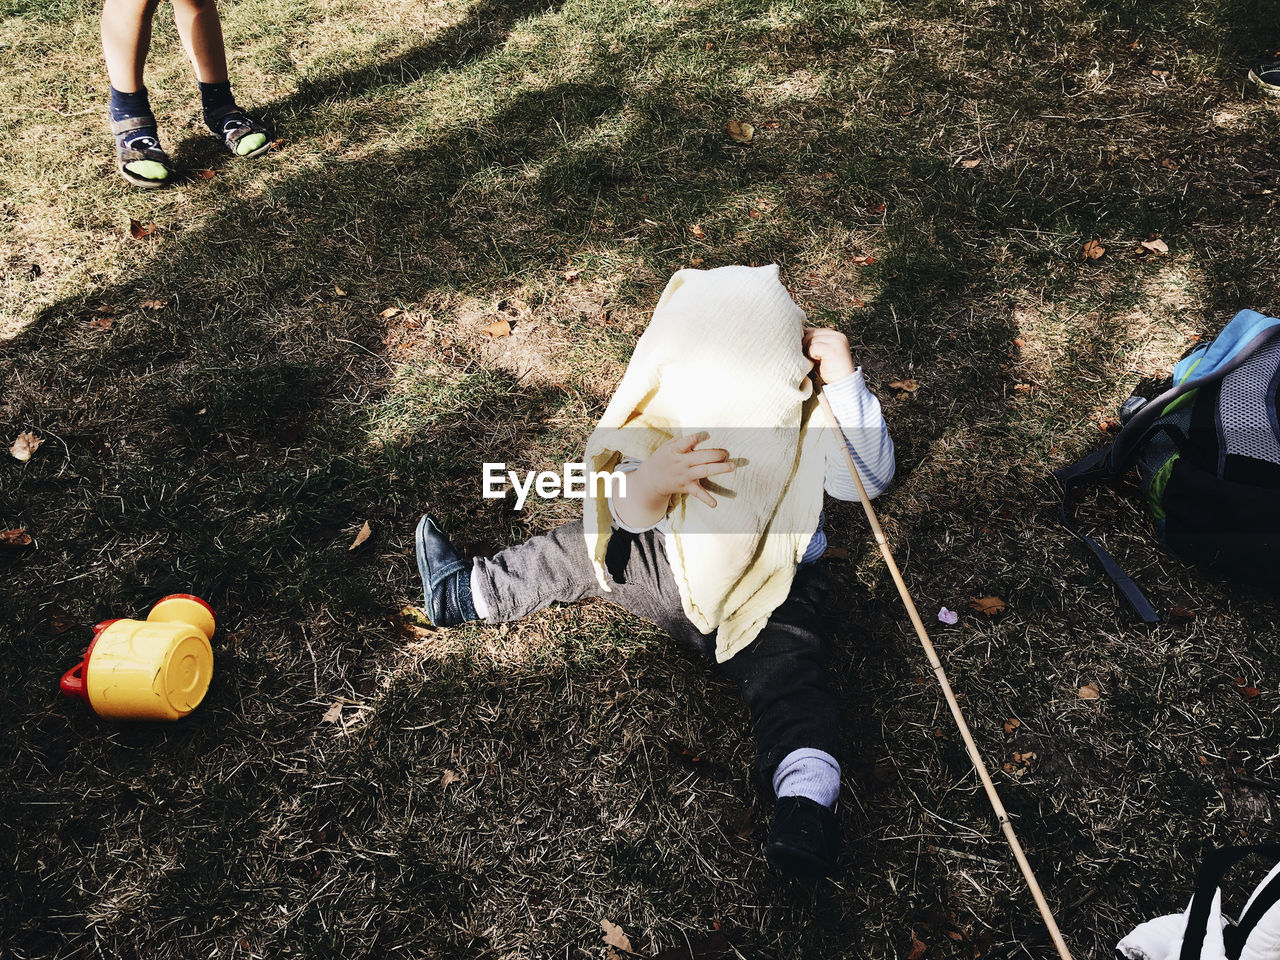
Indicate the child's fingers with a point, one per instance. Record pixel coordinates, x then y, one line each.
710 455
685 444
704 470
695 488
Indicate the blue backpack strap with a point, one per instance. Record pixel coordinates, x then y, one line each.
1247 332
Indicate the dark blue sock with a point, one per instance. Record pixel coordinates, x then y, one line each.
215 95
129 106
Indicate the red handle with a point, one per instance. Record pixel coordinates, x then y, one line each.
73 681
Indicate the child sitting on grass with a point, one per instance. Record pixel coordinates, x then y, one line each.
126 40
730 565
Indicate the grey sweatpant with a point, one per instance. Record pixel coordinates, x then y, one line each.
782 674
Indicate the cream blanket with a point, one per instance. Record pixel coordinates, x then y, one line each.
722 354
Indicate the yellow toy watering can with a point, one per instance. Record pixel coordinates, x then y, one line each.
153 669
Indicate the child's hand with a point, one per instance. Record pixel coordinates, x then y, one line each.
675 467
829 351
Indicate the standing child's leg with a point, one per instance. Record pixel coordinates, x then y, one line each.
200 28
126 39
783 676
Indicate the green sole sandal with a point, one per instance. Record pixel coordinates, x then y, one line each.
244 136
141 161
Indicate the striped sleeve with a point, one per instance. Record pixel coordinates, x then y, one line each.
865 434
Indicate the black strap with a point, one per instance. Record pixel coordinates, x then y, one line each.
1264 900
1210 875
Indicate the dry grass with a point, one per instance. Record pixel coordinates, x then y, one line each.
496 793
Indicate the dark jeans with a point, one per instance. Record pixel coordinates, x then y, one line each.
782 674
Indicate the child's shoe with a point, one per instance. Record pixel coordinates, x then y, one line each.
243 135
139 157
446 577
1265 72
804 839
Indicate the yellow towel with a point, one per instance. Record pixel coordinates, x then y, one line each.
722 354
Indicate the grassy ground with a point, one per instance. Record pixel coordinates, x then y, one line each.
224 403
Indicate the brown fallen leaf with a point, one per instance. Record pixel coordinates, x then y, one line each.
970 164
917 948
1182 613
499 328
102 323
614 937
333 714
753 214
448 777
15 538
989 606
138 231
1243 688
740 131
361 537
572 274
26 444
878 208
154 304
697 231
1012 724
1162 74
204 174
1093 250
339 291
1089 692
390 312
863 261
906 386
1168 164
1156 246
695 262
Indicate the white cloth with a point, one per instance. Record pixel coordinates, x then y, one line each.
723 354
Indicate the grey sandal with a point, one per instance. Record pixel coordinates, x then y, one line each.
142 162
243 135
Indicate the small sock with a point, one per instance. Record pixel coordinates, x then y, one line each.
215 95
131 106
477 595
808 773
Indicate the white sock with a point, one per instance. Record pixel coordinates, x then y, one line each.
477 598
808 773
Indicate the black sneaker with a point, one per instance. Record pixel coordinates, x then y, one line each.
446 577
804 839
1265 72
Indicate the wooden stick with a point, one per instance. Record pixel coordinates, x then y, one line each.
947 692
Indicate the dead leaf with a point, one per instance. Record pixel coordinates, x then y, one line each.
740 131
154 304
15 538
26 444
499 328
614 937
970 164
572 274
333 714
1134 45
1089 692
753 214
204 174
361 537
878 208
1182 613
390 312
1168 164
1093 250
989 606
863 261
448 777
138 231
917 948
1156 246
1012 724
1024 387
695 262
339 291
102 323
697 231
1162 74
835 553
1243 688
906 386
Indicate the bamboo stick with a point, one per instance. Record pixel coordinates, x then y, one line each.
975 757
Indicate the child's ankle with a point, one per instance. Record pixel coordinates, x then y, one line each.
808 772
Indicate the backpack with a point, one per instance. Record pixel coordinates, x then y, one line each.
1203 932
1208 452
